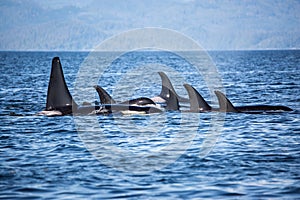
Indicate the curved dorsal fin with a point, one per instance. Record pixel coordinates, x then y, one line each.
167 86
105 98
197 103
172 102
58 95
224 103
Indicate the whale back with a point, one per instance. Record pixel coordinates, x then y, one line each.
141 101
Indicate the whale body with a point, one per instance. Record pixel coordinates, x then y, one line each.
198 104
60 101
227 106
172 102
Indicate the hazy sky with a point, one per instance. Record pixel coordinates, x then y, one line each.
215 24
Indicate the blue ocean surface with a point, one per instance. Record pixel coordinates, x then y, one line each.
169 155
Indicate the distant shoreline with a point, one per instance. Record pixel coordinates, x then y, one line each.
208 50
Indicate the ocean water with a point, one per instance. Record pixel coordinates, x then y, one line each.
172 155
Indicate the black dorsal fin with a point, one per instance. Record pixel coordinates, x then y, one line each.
166 86
224 103
58 95
172 102
105 98
197 103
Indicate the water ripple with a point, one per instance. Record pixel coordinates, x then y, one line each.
255 156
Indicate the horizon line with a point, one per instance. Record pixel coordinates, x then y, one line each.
92 50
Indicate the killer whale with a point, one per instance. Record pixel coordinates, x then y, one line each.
198 104
60 101
172 102
105 98
227 106
130 108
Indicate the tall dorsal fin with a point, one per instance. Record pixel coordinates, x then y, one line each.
197 103
224 103
58 95
172 102
166 86
105 98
